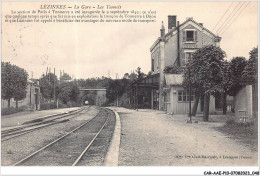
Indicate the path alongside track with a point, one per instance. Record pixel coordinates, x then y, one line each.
153 138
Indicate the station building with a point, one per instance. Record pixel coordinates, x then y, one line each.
164 91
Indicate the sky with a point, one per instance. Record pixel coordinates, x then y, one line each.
87 50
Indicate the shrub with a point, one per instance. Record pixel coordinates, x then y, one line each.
230 122
12 110
239 124
72 104
62 105
46 106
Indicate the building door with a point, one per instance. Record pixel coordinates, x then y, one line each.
155 99
36 101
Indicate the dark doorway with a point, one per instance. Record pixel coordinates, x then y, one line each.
36 98
218 101
90 98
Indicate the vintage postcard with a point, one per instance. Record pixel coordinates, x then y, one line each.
129 83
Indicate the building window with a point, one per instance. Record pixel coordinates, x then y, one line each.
190 36
186 56
183 96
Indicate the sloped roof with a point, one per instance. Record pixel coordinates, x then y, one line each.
30 81
182 24
191 19
173 79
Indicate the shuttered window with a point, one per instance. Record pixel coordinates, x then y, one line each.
184 36
195 36
190 36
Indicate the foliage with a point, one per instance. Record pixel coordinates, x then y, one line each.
173 69
93 83
65 77
226 77
47 106
13 82
71 104
140 74
116 88
149 73
12 110
47 83
250 71
126 76
133 76
68 91
204 73
236 67
246 133
205 69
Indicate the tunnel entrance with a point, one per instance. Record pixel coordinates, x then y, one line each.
92 97
88 99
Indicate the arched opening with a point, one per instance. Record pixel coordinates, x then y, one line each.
88 99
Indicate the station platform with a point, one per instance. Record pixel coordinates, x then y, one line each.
21 117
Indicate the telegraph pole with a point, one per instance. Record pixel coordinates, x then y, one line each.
117 98
190 97
54 92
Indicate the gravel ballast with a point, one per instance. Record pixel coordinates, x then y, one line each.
15 149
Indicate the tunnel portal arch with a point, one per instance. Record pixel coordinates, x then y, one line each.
93 96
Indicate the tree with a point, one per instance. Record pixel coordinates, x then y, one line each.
126 76
250 76
149 73
250 71
7 88
68 92
21 84
140 74
226 84
65 77
116 88
236 67
205 69
47 83
14 82
132 76
190 80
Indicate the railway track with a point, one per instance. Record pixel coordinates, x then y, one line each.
39 123
69 149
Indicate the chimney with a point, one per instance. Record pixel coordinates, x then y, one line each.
162 31
171 22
